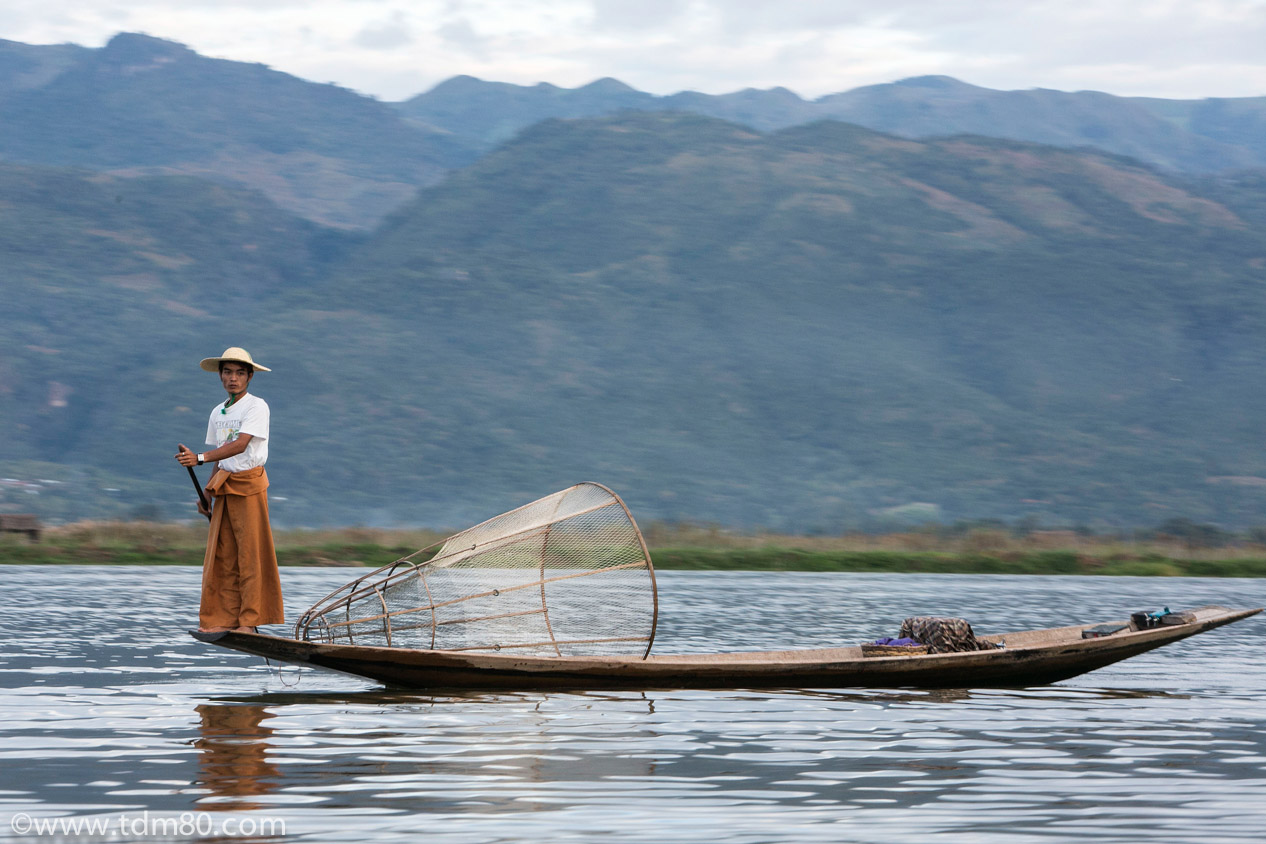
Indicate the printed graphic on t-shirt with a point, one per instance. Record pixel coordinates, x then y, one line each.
226 432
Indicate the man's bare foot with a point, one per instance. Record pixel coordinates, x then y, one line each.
245 630
214 629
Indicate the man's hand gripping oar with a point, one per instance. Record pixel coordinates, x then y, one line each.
188 459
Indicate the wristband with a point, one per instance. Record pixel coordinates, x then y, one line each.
200 460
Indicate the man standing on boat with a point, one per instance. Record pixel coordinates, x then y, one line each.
241 587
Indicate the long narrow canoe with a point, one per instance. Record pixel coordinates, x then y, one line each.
1029 657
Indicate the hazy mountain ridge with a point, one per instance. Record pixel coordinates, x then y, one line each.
1211 135
26 66
144 106
820 328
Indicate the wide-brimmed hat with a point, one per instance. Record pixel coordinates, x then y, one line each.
234 354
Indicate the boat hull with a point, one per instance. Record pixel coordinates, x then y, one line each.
1032 657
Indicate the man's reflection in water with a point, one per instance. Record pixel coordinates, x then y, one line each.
233 756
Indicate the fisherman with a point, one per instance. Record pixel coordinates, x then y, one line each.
241 587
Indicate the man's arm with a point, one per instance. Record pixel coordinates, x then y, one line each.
186 457
189 458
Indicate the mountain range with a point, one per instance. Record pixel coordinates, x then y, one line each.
1196 136
145 106
816 327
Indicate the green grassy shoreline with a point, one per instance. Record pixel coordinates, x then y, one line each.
682 550
933 562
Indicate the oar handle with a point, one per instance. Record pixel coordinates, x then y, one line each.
202 496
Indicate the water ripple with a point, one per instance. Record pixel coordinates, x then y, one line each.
107 706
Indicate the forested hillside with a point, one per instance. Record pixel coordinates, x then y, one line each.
144 106
818 328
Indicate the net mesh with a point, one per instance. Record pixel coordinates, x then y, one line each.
567 575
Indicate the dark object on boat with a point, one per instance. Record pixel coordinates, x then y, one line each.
1144 620
1181 617
943 635
1103 630
1030 657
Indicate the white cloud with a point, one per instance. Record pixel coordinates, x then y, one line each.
621 16
389 34
1176 48
462 36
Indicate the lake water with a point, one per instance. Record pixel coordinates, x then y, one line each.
110 713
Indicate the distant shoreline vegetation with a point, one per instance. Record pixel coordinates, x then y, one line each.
1178 548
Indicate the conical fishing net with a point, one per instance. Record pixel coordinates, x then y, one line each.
567 575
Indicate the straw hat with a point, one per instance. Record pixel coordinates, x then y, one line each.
234 354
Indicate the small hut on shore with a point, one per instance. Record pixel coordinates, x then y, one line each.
21 523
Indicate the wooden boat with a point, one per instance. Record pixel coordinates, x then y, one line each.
1028 657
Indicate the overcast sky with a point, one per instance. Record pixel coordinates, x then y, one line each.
393 49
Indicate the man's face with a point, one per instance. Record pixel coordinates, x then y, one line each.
235 378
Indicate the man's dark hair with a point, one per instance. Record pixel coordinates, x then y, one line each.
250 370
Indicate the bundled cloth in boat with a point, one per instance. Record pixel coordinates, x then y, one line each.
943 635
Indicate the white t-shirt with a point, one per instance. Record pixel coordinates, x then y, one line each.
248 415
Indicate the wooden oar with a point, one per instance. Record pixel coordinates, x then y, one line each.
202 496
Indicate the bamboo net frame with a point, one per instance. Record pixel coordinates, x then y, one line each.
566 575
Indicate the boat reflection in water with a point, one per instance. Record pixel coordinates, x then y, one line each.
477 753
